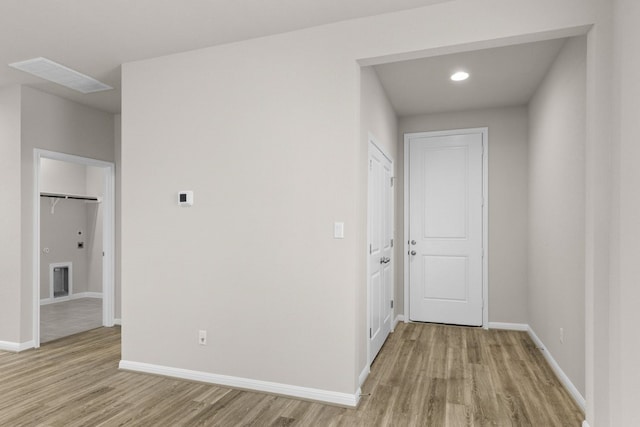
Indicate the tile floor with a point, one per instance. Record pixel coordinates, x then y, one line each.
66 318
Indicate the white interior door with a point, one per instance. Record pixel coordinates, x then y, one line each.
446 228
380 249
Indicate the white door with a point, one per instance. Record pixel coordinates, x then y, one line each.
446 228
380 249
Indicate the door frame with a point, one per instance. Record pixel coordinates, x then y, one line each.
373 144
484 131
108 234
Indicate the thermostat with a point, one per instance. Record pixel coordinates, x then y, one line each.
185 198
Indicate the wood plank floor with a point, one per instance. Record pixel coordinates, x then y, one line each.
425 375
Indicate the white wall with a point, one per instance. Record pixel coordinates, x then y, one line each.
507 202
95 178
62 177
625 295
118 213
10 219
59 233
377 116
377 119
598 215
266 148
271 147
557 210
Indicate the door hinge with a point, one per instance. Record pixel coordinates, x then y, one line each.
392 178
370 164
370 249
391 242
391 303
482 252
370 335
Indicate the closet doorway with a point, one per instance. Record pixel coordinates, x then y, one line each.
74 233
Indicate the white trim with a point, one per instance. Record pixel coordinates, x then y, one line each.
406 229
109 246
585 423
15 347
564 379
509 326
35 268
117 321
79 295
89 295
399 318
363 375
333 397
485 227
484 131
108 231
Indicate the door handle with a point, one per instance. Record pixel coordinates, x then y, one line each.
384 260
413 242
413 252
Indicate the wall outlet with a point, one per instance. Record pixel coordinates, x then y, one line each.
562 335
202 337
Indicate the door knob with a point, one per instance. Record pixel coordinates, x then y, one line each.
413 242
413 252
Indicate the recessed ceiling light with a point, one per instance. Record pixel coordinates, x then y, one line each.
459 76
56 73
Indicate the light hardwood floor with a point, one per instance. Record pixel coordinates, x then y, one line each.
425 375
62 319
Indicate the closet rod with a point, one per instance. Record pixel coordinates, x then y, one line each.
70 197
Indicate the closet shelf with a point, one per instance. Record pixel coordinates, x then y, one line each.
88 199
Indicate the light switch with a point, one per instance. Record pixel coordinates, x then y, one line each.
338 230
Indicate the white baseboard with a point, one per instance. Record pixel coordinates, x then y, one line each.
399 318
90 295
564 379
585 423
46 301
325 396
16 347
363 375
117 322
509 326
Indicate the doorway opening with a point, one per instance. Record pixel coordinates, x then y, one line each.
537 120
74 234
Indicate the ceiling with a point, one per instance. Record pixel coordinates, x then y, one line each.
500 77
95 37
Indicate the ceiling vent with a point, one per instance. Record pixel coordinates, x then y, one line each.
56 73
